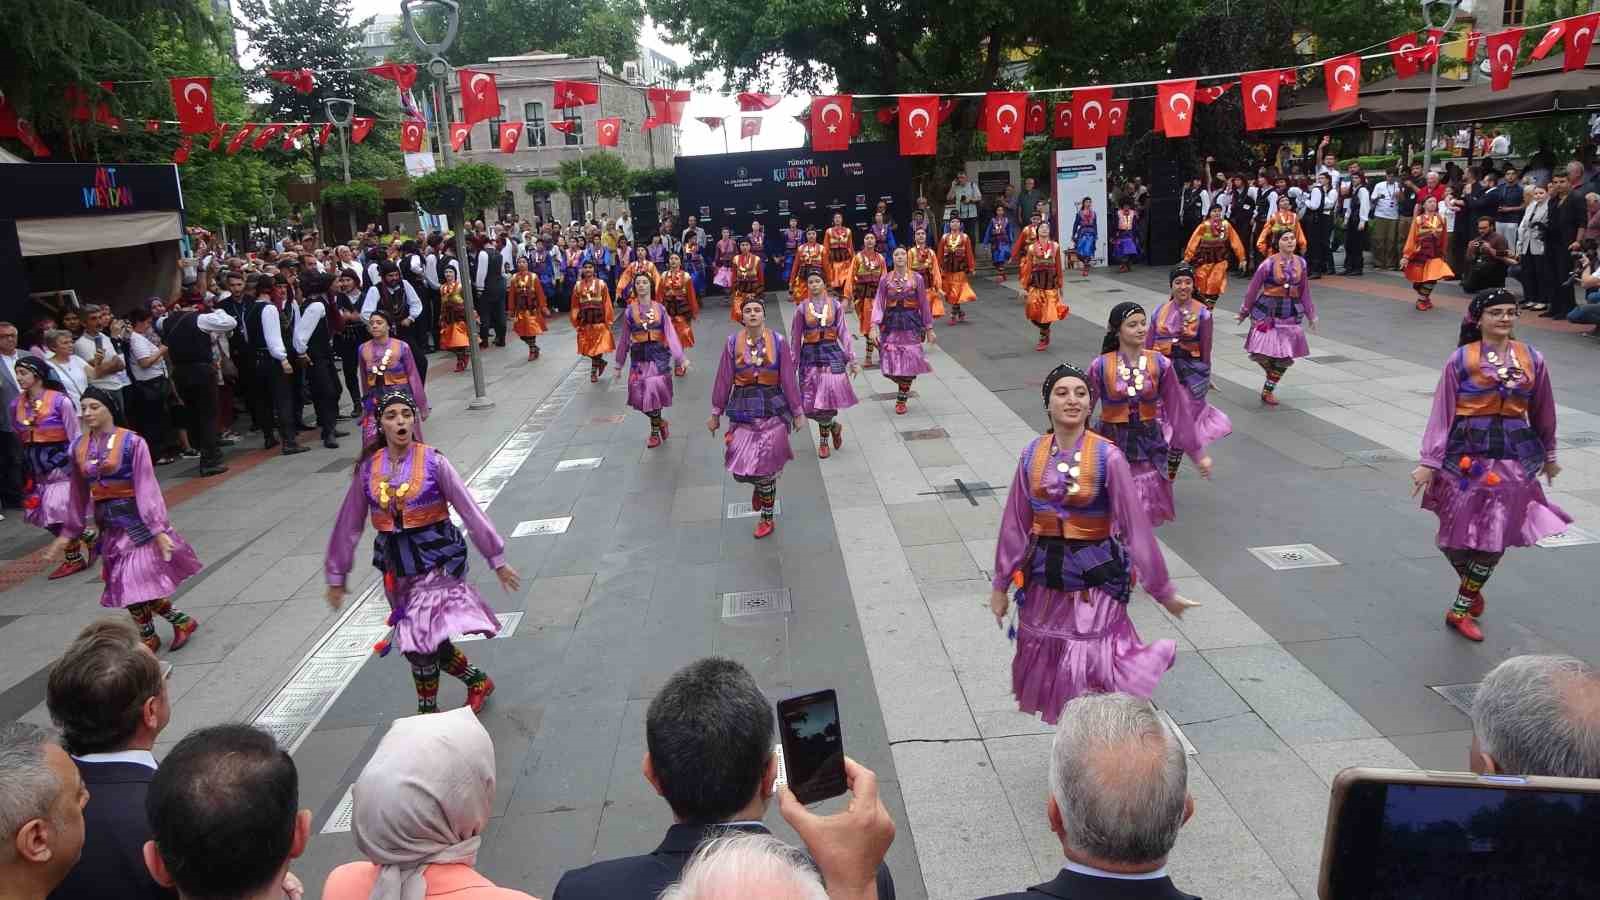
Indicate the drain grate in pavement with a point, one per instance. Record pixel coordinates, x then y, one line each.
557 525
1380 455
285 733
1005 354
743 509
969 490
339 821
606 420
891 395
1288 557
508 627
753 603
589 462
924 434
1330 360
1572 537
1457 695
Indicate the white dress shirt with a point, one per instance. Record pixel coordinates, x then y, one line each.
430 270
306 324
1092 872
272 333
138 757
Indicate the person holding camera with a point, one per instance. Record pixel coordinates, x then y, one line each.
1588 312
1488 257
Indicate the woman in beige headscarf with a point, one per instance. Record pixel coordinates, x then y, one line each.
421 804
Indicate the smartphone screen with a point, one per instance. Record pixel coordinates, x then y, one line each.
813 745
1452 841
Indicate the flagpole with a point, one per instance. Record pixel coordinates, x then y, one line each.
343 123
1433 79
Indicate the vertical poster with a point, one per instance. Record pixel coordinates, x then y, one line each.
1080 174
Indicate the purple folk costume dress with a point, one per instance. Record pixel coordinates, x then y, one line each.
423 558
1074 529
1277 301
46 428
1141 403
386 367
756 388
903 317
822 332
113 473
1182 333
651 342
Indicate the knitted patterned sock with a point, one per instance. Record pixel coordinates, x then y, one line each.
767 491
143 617
425 676
1273 375
166 610
1478 572
903 393
655 424
1174 461
74 552
1044 332
453 661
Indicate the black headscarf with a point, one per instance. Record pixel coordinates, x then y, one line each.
42 371
1065 370
1181 270
104 398
1119 313
1471 330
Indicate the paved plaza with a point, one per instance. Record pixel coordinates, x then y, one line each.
1320 643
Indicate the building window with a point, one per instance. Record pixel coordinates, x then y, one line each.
494 126
533 113
1513 12
575 136
508 205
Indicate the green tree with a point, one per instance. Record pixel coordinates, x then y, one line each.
604 28
319 35
602 174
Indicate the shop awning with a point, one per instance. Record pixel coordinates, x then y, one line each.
78 234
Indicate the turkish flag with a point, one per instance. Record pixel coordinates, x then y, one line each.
919 125
1117 118
31 139
152 126
648 123
1580 37
264 136
480 97
749 126
1175 103
1427 52
566 126
302 80
322 136
1474 38
666 106
1061 121
1213 93
1502 49
1089 125
757 102
576 93
217 136
238 139
1548 42
404 75
1405 57
360 127
180 155
855 123
1258 91
1002 120
608 130
887 114
510 133
1034 120
295 133
459 132
1342 75
830 118
192 97
946 107
411 131
711 122
77 102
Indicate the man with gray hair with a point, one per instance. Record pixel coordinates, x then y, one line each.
1538 715
745 864
41 812
1118 795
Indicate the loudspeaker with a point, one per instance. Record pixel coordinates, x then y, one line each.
1165 213
646 221
1166 178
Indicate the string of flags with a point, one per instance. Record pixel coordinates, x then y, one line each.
1088 117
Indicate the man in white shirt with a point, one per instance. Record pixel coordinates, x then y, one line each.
270 318
107 369
148 410
313 346
401 306
1357 212
1385 223
964 196
625 225
196 342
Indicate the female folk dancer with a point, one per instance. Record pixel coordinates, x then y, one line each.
726 248
1277 301
639 265
1000 242
1182 331
1029 232
1491 434
46 424
386 365
527 306
651 344
1085 234
1071 534
1124 236
821 331
841 246
1283 219
810 258
683 305
756 387
1144 409
591 315
861 286
902 322
453 328
1422 260
1041 270
881 233
957 262
924 261
1207 251
142 559
408 490
749 278
792 238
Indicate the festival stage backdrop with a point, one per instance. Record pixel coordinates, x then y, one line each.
1080 174
731 189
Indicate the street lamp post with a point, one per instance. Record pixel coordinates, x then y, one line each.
1433 75
439 68
342 122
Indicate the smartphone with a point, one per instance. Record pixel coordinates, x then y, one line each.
1454 835
813 745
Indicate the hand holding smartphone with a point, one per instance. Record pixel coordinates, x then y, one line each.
813 745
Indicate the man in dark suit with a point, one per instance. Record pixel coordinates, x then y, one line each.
1569 215
709 754
1118 795
108 695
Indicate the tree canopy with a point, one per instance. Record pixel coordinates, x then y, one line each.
604 28
603 174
